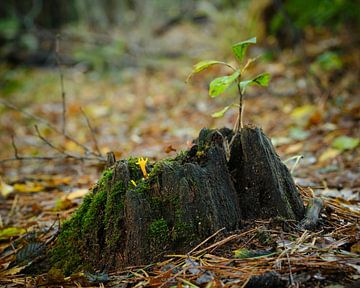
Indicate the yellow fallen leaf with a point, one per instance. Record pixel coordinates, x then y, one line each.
63 204
294 148
5 189
28 187
56 181
329 153
355 248
11 232
78 193
73 147
302 114
12 271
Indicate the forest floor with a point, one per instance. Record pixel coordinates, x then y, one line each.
311 109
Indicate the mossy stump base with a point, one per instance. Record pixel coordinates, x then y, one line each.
129 220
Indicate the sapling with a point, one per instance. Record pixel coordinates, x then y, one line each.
220 84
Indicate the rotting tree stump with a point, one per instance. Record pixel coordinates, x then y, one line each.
129 220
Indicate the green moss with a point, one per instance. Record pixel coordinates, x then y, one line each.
92 218
105 178
181 156
156 203
66 253
199 154
114 213
115 199
156 170
134 169
174 200
143 186
182 231
158 232
69 252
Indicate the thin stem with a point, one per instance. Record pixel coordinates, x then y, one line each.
48 124
63 94
92 132
240 122
16 154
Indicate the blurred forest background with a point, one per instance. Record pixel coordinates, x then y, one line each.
84 77
121 68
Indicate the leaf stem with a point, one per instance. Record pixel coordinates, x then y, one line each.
240 122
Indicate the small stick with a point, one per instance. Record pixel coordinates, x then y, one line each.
48 142
66 154
63 94
16 154
206 240
48 124
50 158
92 132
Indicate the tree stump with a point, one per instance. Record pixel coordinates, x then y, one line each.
222 180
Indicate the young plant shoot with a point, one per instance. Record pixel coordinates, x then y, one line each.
220 84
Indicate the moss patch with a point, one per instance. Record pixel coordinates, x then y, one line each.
71 253
158 232
95 234
114 214
66 254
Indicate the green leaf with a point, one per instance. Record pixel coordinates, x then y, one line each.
345 143
220 113
261 80
204 65
245 253
219 85
239 49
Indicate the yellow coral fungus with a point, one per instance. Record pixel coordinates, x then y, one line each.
142 163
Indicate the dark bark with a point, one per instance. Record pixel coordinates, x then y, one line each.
183 201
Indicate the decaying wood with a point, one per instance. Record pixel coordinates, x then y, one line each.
129 220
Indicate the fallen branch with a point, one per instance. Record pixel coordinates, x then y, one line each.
92 132
49 125
50 158
63 156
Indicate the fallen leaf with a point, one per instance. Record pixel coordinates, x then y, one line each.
329 153
78 193
294 148
297 133
302 114
169 149
12 271
245 253
356 248
343 143
29 187
5 189
11 232
63 204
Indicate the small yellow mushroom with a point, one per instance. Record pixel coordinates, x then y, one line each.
142 163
